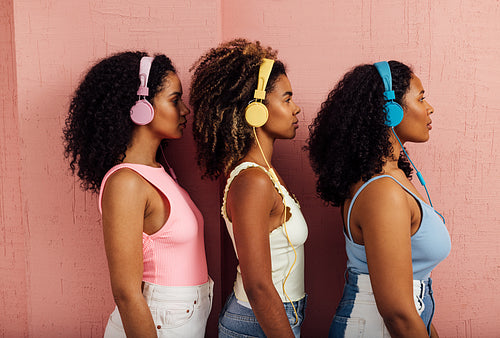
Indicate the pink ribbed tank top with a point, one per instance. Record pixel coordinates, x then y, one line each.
175 254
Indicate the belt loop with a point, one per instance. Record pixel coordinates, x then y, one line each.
198 294
152 291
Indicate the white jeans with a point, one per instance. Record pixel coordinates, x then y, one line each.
178 311
357 314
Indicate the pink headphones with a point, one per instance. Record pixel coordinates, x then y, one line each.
142 112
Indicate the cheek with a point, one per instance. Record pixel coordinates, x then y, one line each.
170 114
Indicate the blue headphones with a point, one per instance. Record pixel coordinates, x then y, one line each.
394 115
394 112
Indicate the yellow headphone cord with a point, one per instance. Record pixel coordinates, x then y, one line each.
274 178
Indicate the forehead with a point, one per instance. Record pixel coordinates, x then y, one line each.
172 83
282 84
415 85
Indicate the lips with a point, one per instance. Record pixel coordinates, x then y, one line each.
429 125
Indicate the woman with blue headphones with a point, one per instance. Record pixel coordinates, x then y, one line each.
242 102
394 238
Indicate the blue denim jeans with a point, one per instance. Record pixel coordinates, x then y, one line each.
237 320
357 314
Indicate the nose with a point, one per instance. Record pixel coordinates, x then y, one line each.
430 109
297 109
185 110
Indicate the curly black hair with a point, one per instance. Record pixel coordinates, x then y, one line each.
223 84
348 139
98 128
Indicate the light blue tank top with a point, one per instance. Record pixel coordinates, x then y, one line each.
429 245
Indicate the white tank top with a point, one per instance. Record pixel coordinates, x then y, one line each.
282 255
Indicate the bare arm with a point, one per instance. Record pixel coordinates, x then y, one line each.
251 200
123 205
384 216
434 333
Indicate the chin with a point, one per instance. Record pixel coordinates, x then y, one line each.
175 137
421 139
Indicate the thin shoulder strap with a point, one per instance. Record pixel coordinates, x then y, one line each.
236 171
348 224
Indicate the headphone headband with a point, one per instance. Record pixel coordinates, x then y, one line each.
385 73
144 69
264 72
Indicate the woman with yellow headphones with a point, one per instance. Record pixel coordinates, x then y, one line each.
242 102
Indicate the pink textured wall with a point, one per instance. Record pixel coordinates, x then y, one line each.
13 283
53 274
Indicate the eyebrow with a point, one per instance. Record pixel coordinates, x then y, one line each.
288 93
421 92
175 93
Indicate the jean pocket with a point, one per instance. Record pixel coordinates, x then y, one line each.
295 321
419 304
224 332
172 315
348 327
115 320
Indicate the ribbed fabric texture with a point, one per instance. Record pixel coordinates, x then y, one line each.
175 254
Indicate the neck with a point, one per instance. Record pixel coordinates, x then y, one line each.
391 162
142 148
256 155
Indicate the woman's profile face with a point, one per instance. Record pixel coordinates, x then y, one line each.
282 122
170 111
416 122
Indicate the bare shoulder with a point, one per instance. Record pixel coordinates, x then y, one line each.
382 197
124 183
383 191
252 180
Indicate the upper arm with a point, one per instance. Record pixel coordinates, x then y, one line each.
250 200
384 216
123 204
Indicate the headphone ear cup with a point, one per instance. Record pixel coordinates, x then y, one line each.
394 114
142 112
256 114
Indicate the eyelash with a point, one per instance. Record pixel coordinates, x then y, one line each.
422 99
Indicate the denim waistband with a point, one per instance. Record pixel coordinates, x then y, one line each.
299 305
177 293
361 283
364 284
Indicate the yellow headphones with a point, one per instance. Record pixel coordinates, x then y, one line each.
256 115
256 112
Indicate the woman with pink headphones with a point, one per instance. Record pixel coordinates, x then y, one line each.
123 109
